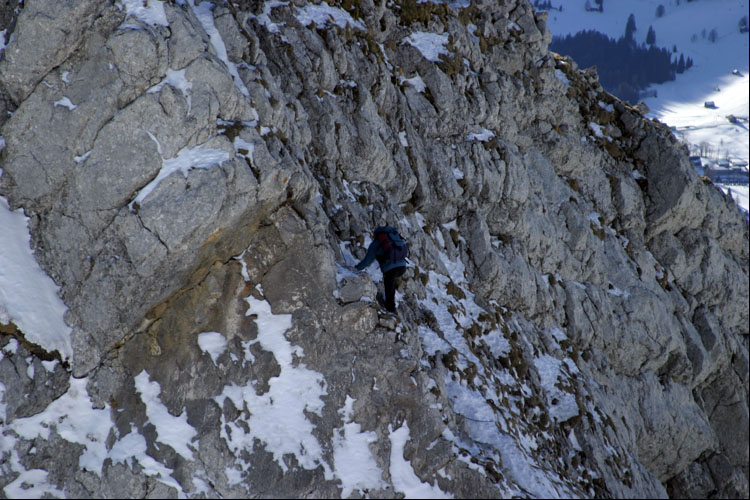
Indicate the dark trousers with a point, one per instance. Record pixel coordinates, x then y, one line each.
389 282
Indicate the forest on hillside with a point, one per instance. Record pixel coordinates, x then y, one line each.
625 67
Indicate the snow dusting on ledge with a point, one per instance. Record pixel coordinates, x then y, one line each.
177 80
151 12
483 136
278 418
415 82
170 430
65 103
205 15
430 45
404 478
323 13
355 465
186 160
28 296
75 420
212 343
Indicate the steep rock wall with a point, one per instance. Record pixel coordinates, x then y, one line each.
574 322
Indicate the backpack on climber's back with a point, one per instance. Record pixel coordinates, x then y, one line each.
393 245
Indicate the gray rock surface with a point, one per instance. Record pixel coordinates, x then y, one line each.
574 322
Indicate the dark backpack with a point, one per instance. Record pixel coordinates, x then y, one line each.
394 247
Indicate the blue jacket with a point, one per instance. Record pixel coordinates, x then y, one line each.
375 251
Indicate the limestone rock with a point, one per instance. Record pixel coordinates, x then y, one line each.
573 322
356 289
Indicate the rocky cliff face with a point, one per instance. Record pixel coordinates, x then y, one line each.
198 181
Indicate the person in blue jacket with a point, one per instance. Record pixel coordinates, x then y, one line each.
390 251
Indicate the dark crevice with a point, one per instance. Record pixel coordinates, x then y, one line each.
143 225
35 349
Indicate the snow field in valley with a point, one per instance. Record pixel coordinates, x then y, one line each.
680 103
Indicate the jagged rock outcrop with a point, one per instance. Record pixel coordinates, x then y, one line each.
575 321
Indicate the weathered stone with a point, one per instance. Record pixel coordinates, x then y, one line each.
23 374
47 32
356 289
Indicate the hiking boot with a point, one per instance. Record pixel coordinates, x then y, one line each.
388 321
381 300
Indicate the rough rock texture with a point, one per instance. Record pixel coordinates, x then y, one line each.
550 225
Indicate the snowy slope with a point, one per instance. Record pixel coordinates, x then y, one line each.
680 103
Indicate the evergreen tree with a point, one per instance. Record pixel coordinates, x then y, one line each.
651 36
630 27
713 35
624 68
681 64
743 24
660 10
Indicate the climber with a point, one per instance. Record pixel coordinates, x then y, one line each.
391 251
